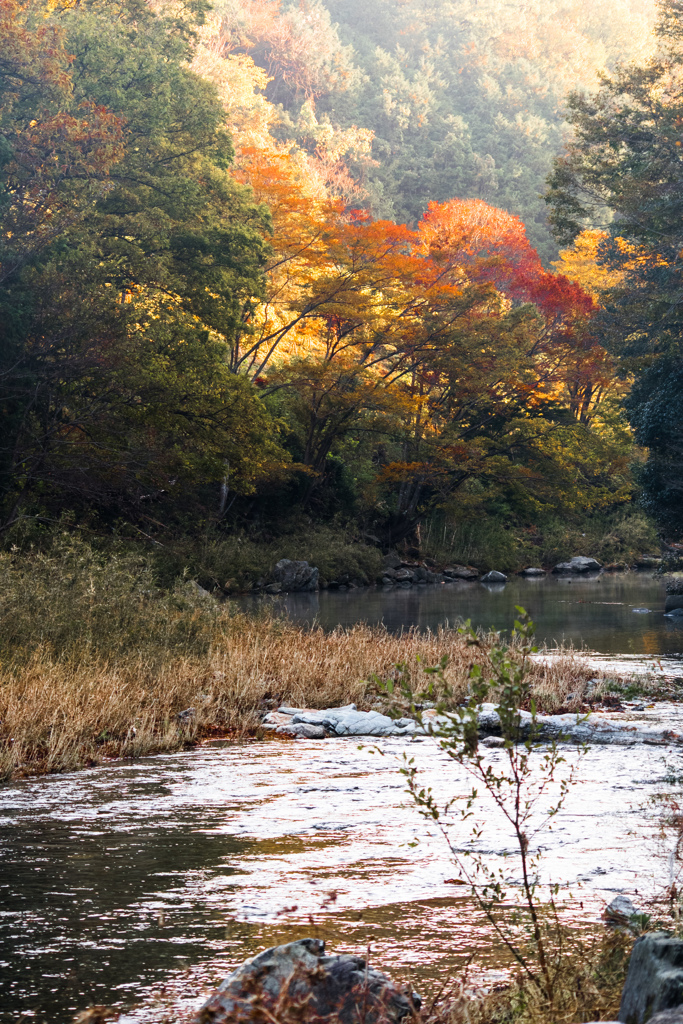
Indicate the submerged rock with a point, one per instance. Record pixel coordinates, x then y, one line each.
532 571
298 982
655 978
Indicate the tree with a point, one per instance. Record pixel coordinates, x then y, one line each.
627 158
120 380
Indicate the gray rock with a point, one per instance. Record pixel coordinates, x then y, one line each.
675 613
673 601
673 1016
348 721
295 576
404 575
391 561
273 588
620 911
655 978
577 565
532 571
303 730
462 572
386 581
494 577
423 575
299 977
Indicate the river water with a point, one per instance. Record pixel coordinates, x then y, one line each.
141 884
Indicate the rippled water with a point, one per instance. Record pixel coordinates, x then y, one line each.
596 612
141 884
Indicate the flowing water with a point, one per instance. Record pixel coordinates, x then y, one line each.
141 884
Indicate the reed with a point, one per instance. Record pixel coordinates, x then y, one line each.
97 661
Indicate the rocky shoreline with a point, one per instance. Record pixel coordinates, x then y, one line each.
290 576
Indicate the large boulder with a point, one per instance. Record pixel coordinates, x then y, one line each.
293 576
577 565
655 978
673 601
298 982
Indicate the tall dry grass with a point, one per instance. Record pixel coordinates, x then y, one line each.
96 662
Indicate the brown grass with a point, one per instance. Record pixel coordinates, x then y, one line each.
96 661
58 714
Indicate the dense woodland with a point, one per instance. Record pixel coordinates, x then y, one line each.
268 264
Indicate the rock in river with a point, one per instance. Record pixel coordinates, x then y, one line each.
577 565
494 577
298 982
295 576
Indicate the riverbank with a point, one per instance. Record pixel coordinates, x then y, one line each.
97 662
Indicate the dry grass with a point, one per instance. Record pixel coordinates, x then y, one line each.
97 662
589 987
58 714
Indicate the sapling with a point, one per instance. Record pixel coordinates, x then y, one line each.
519 779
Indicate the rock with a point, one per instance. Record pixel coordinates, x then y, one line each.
423 575
298 976
391 561
532 571
303 730
404 575
577 565
648 562
675 613
672 602
674 1016
386 581
655 978
273 588
641 611
186 716
462 572
616 567
348 721
619 912
295 576
494 577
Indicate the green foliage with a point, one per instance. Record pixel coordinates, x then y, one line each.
72 600
237 562
626 158
116 382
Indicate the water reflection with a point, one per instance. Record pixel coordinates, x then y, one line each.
596 612
145 882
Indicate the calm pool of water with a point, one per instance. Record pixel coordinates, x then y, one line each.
595 612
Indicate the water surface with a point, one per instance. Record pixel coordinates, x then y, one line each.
142 884
595 612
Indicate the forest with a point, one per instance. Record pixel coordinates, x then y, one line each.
406 274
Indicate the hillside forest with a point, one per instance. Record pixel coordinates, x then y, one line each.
403 273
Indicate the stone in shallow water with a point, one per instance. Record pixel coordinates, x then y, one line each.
577 565
298 982
494 577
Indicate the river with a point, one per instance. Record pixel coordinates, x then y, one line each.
140 884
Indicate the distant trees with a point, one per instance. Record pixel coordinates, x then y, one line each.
627 158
